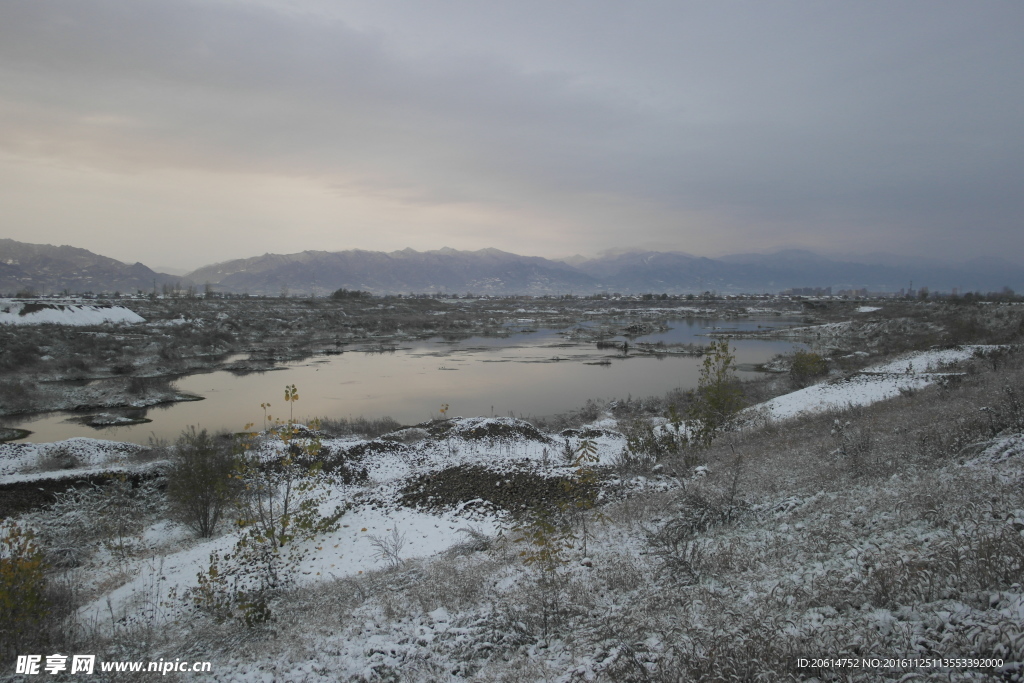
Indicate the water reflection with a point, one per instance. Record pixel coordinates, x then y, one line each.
537 373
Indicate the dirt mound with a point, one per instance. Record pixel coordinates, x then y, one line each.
486 428
588 433
514 491
20 497
345 461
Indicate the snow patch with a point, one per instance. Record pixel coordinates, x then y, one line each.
39 313
879 383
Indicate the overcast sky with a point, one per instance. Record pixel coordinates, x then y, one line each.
181 133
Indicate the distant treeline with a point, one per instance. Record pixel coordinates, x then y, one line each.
350 294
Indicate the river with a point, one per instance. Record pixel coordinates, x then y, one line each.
528 373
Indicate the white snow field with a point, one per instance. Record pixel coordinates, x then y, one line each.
78 314
877 383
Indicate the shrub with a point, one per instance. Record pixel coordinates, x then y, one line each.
136 386
367 427
718 396
200 483
60 457
110 514
122 508
680 546
806 366
853 446
279 510
18 354
646 445
24 606
17 396
344 293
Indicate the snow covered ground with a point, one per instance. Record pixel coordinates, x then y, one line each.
167 560
350 551
877 383
376 511
77 314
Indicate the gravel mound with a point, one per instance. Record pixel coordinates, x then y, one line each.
514 491
486 428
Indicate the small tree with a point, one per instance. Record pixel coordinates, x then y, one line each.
282 497
279 506
582 490
201 486
547 542
718 396
291 395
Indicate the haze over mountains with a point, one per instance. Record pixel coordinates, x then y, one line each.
47 269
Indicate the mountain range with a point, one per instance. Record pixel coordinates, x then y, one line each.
49 269
45 269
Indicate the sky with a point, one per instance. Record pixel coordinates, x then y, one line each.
181 133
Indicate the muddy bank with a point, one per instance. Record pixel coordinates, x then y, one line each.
19 497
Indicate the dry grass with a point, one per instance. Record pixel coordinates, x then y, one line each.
797 543
896 533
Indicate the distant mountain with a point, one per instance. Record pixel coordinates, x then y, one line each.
46 269
660 271
490 271
787 269
785 257
487 271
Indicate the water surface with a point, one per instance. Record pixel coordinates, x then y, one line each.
536 373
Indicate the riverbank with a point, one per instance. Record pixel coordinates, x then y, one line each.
417 577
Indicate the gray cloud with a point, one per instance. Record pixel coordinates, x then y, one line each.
776 124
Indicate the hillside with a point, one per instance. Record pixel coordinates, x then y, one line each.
46 269
488 271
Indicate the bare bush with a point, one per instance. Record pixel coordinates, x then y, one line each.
389 548
359 426
200 482
59 457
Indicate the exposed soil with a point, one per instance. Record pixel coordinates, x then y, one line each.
484 429
20 497
515 491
